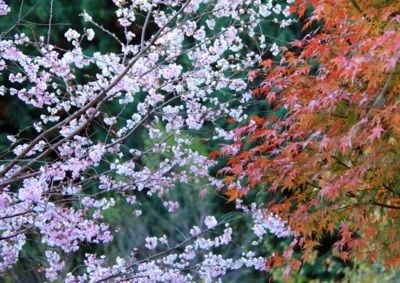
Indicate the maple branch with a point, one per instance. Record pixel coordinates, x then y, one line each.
381 98
341 162
345 207
340 116
386 205
358 8
352 195
390 189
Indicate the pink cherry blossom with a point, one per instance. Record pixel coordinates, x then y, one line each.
84 160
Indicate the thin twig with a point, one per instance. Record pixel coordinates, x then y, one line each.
358 8
50 20
20 10
17 214
386 205
106 31
20 18
146 23
381 98
16 234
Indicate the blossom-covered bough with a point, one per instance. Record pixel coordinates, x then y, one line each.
187 73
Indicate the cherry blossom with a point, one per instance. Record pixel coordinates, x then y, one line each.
59 184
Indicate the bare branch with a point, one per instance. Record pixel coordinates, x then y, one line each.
146 23
50 20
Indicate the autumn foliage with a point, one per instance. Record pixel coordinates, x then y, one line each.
331 164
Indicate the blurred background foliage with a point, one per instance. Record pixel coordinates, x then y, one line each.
32 17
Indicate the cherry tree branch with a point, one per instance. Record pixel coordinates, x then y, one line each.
98 100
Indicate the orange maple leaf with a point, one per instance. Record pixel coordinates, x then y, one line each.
233 194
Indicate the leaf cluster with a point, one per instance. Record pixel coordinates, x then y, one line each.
330 164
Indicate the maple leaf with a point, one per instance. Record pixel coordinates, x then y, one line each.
392 262
251 76
323 145
233 194
271 97
214 154
376 133
267 64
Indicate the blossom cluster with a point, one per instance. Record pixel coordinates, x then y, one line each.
265 221
4 8
198 260
187 74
